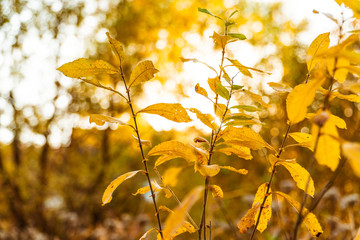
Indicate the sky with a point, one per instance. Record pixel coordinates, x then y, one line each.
37 89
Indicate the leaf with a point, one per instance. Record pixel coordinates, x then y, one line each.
213 84
143 71
216 191
310 220
156 188
241 152
351 150
247 108
173 149
266 212
107 196
222 91
349 97
355 88
166 209
201 90
301 137
328 149
245 137
82 68
242 123
171 111
352 69
240 171
176 219
225 75
237 35
236 87
279 87
220 40
100 119
301 176
117 48
170 177
206 119
341 72
145 234
143 142
245 70
208 170
320 44
248 220
220 110
204 10
256 98
300 98
198 61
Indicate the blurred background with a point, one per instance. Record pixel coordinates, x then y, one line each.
54 165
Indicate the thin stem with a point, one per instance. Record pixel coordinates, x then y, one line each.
144 160
213 139
227 218
267 193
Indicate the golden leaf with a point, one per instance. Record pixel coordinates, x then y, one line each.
107 196
213 83
301 176
170 176
145 234
200 90
244 137
249 219
256 98
142 72
82 68
243 69
117 48
100 119
301 137
225 75
341 72
241 152
171 111
164 208
156 188
351 150
216 191
230 168
176 219
349 97
172 149
208 170
220 40
300 98
310 220
320 44
266 212
220 110
206 119
280 87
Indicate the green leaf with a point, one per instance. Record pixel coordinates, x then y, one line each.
236 87
222 91
232 14
237 35
247 108
204 10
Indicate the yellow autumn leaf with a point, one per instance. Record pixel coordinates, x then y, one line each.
82 68
349 97
146 234
107 196
310 220
240 151
351 150
220 40
200 90
208 170
156 188
216 191
225 75
341 72
352 69
206 119
279 87
213 83
142 190
300 98
166 209
100 119
171 111
320 44
256 98
220 110
248 220
117 48
240 171
176 219
243 69
244 137
301 137
328 149
172 149
266 212
301 176
142 72
355 87
170 177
